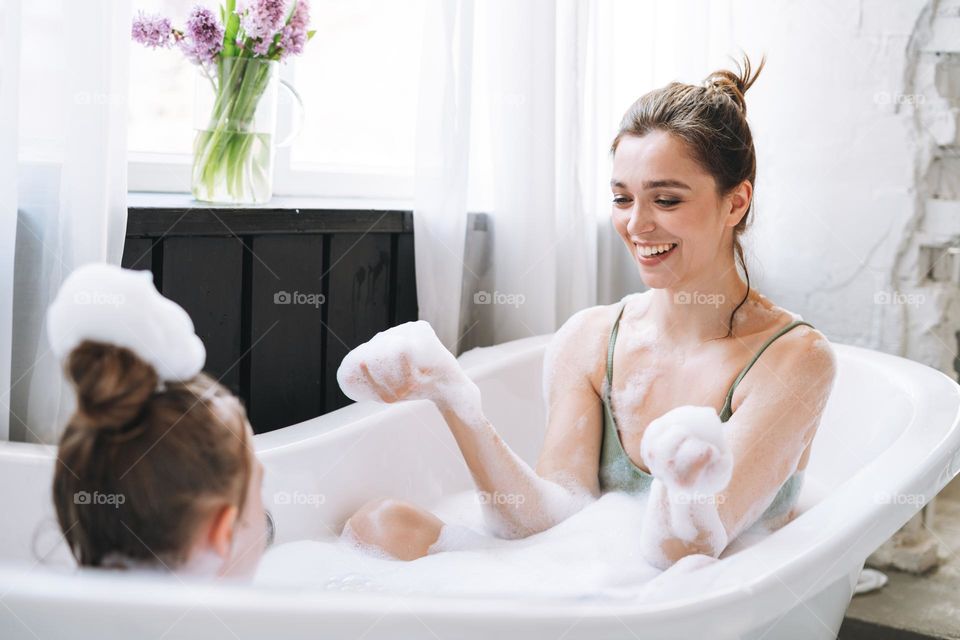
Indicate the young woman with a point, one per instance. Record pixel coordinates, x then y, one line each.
155 469
684 167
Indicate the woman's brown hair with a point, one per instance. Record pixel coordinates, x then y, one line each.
139 467
712 120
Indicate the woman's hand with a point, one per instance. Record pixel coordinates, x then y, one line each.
685 448
691 462
401 382
407 362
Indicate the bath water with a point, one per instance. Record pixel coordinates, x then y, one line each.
593 552
593 555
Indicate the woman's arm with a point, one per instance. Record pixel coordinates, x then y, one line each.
778 414
518 501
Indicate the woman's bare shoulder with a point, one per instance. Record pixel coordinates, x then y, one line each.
802 352
592 325
581 342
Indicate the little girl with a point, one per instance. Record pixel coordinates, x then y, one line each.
155 468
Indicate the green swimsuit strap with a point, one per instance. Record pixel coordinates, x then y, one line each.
610 345
727 410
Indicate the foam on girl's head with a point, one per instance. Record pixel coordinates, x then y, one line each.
104 303
408 357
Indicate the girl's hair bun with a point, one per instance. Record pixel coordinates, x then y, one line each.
735 85
112 383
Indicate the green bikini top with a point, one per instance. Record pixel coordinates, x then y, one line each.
619 473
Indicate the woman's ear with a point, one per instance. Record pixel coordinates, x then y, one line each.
220 533
739 202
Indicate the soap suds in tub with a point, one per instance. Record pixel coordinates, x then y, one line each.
586 556
595 554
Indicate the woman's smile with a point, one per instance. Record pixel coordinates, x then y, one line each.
653 254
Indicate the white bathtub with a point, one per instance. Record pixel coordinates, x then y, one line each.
891 429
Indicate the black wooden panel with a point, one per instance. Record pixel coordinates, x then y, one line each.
358 301
203 258
203 275
287 306
405 289
137 254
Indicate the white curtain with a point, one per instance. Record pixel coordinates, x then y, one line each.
443 146
542 227
507 117
64 79
541 92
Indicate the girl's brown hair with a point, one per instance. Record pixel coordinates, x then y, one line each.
139 467
712 120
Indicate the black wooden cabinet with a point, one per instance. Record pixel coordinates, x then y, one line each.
279 295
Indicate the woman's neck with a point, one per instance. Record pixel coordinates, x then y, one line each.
695 312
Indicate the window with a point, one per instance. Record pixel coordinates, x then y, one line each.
358 80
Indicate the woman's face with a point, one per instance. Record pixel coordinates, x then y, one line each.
661 196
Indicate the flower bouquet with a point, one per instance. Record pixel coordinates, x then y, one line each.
238 56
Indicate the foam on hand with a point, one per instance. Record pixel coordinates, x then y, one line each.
691 462
408 362
685 437
104 303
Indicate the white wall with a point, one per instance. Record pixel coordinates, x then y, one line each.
847 118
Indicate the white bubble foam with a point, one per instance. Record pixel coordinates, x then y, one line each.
104 303
408 362
681 437
595 554
591 553
688 455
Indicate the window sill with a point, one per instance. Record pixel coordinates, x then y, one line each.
158 200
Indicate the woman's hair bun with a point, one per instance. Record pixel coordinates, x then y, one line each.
735 85
112 383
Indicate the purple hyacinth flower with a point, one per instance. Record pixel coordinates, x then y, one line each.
262 18
202 37
294 34
262 47
152 31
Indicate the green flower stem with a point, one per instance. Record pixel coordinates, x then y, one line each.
230 151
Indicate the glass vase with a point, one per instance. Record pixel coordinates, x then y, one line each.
235 121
